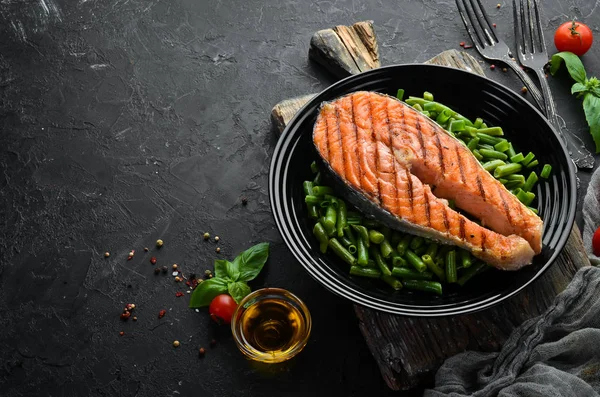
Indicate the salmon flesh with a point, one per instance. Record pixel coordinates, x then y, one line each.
404 167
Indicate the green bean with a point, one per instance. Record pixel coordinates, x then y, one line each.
477 155
418 107
410 274
546 171
488 139
511 151
534 210
392 282
330 220
532 164
371 263
322 190
400 94
444 116
375 236
513 184
413 99
492 154
317 179
416 242
483 125
370 272
332 200
321 234
353 220
421 250
469 273
530 156
477 123
424 285
415 261
379 261
403 244
313 212
517 158
492 131
451 267
485 146
491 165
525 197
465 259
362 252
349 234
507 169
346 242
324 204
371 223
428 96
531 180
426 113
457 125
386 248
433 267
398 261
341 252
432 249
362 233
310 199
342 220
502 146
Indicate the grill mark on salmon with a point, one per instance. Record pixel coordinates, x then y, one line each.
440 155
380 156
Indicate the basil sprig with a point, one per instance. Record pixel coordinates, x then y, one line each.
232 277
589 89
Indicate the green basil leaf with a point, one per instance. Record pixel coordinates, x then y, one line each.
251 261
238 290
207 290
578 87
226 269
573 63
591 107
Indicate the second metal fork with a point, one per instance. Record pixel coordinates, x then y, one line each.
532 53
489 46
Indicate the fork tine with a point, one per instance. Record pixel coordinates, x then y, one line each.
468 21
518 31
531 27
538 18
489 30
523 20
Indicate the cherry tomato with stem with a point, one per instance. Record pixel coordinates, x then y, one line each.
575 37
221 308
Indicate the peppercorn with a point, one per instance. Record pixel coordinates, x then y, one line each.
157 270
134 318
164 269
162 313
178 294
175 266
498 5
145 249
218 250
125 316
153 260
121 333
177 279
492 67
467 46
106 254
244 200
504 70
213 342
201 352
494 25
217 239
176 343
210 276
524 90
206 236
159 243
462 43
130 306
207 273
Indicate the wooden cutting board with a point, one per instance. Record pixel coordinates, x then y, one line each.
409 350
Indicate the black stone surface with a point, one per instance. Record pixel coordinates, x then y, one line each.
124 121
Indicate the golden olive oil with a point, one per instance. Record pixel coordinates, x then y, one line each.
273 326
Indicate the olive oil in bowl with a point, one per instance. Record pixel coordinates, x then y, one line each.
271 325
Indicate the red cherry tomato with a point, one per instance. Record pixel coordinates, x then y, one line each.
221 308
596 242
573 36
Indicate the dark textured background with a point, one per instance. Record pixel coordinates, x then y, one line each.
126 121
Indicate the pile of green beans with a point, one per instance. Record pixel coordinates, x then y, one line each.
495 153
374 251
403 260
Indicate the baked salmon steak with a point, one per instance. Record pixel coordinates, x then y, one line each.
399 166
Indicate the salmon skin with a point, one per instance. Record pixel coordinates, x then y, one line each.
400 167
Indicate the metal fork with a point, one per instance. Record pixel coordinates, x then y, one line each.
531 50
489 46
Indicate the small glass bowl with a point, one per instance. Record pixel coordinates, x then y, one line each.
302 324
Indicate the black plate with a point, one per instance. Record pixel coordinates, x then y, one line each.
471 95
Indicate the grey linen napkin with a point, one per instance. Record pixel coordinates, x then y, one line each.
554 355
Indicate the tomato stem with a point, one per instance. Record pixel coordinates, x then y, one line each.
574 31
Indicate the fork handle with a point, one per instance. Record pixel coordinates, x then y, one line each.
575 146
531 87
